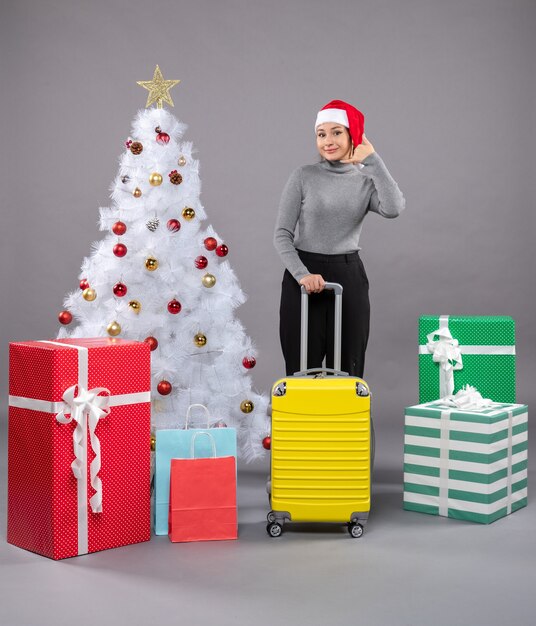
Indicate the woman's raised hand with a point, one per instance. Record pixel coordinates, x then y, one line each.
361 152
313 283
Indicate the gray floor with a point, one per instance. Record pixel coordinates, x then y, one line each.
406 569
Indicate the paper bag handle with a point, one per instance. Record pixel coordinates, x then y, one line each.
188 414
212 443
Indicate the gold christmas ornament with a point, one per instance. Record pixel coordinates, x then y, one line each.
208 280
158 89
113 329
181 161
153 442
137 192
200 340
135 305
246 406
188 213
155 179
151 264
89 294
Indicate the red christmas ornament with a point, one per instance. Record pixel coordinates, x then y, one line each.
119 228
128 143
201 262
162 139
174 225
120 290
249 362
152 341
164 388
222 250
120 249
174 307
84 284
210 243
267 443
65 317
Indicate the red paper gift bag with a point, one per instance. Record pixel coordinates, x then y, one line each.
202 497
78 445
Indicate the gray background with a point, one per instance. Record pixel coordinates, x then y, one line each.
449 99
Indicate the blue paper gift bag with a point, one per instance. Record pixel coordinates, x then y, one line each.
175 444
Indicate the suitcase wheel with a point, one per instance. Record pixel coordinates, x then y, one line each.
271 517
274 529
355 530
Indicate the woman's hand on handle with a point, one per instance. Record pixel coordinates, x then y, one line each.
313 283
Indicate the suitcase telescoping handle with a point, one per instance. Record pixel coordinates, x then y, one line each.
337 288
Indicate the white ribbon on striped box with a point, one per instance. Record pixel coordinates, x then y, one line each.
467 399
85 407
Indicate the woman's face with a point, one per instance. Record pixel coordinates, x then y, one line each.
333 141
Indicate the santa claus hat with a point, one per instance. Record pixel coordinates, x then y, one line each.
340 112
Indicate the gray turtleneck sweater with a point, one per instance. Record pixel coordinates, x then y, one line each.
328 202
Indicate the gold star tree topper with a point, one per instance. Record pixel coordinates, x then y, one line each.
158 89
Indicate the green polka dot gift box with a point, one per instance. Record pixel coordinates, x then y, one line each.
465 464
455 351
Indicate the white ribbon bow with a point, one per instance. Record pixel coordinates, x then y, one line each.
87 404
468 398
445 351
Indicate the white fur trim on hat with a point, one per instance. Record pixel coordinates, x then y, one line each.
336 116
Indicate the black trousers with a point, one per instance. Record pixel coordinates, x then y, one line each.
348 270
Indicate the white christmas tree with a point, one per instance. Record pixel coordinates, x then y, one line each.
161 276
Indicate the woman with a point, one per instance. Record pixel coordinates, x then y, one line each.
328 201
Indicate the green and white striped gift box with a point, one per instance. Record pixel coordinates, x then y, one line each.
465 464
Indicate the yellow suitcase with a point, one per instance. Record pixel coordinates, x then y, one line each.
320 442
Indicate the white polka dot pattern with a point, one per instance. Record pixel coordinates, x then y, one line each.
42 490
494 375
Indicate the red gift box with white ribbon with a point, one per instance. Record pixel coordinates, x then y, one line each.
79 459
